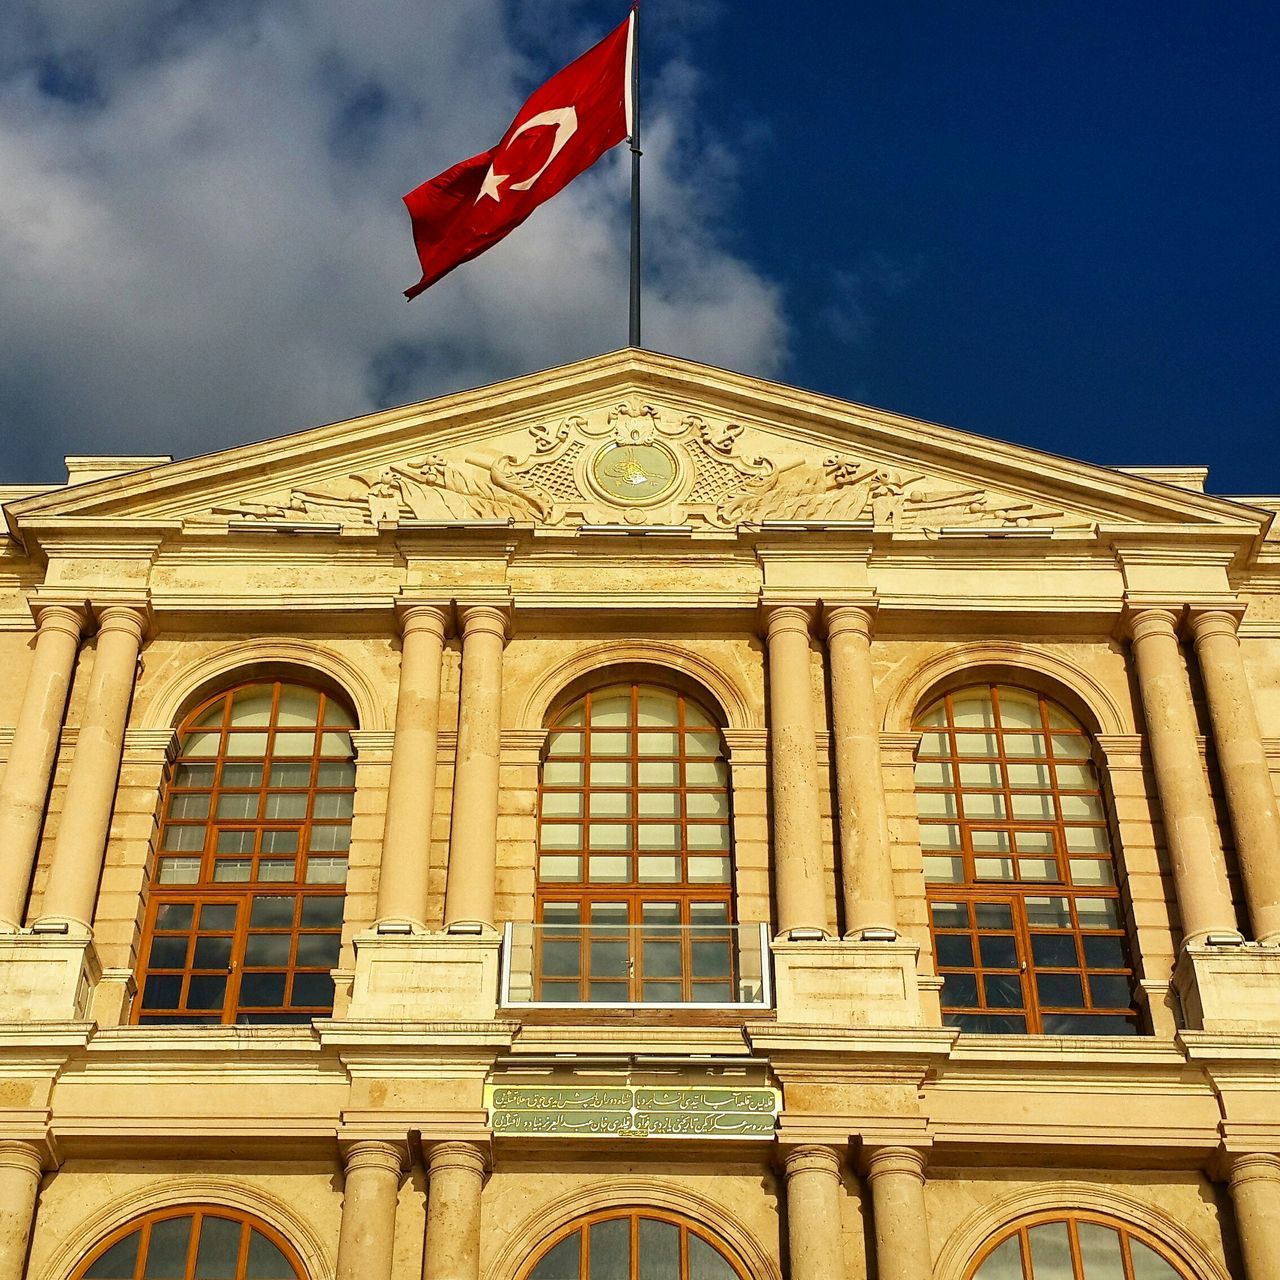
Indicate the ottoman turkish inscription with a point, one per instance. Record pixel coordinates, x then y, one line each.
633 1111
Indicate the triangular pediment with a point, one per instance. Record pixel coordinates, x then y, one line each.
633 439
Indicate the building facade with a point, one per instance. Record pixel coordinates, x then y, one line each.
638 821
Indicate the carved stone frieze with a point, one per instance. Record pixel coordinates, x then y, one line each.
635 464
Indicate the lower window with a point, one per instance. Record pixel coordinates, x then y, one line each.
1075 1248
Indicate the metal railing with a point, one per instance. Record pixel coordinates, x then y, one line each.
556 966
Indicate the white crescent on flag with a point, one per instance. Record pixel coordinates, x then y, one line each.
565 122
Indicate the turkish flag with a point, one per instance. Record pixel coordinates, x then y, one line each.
564 128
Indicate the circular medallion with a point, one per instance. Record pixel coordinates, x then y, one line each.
635 472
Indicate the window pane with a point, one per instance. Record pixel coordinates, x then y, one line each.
1004 1262
266 1262
561 835
610 1250
706 773
1050 1251
944 870
659 707
707 804
118 1262
1100 1251
1147 1264
659 1245
248 744
936 835
179 871
657 835
657 773
562 773
610 804
653 870
562 804
563 1262
218 1253
167 1249
298 706
609 835
560 867
657 744
660 804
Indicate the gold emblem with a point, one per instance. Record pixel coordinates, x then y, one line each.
635 472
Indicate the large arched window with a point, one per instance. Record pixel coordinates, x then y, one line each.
1023 899
244 917
633 1245
635 876
1075 1247
193 1243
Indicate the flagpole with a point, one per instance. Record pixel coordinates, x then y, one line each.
635 174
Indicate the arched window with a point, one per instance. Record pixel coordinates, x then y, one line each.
1022 890
1078 1247
244 918
633 1245
190 1242
635 877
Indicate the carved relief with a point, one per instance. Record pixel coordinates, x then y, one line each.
631 464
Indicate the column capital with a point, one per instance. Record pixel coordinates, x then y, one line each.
1142 623
415 616
70 619
467 1157
881 1161
27 1157
1204 624
1253 1166
778 619
844 619
811 1157
374 1154
128 619
495 619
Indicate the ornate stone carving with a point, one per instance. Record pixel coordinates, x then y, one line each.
631 464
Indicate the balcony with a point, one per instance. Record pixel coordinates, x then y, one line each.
576 966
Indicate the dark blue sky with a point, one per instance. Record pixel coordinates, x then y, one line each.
1057 223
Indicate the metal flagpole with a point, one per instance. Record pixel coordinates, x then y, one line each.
635 173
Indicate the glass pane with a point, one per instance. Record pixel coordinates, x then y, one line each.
205 991
1050 1251
973 710
560 867
218 917
1087 807
1034 841
662 960
703 743
179 870
1062 990
1147 1264
271 911
1025 745
703 835
212 953
976 744
657 744
264 949
251 707
334 774
660 707
195 805
654 870
266 1262
219 1251
708 870
243 806
610 744
1002 990
299 706
1092 872
1034 808
561 1263
1110 991
167 1249
1097 913
936 804
1088 840
561 835
318 950
174 915
611 773
934 835
707 804
1071 746
1018 709
326 806
322 913
562 804
201 744
993 868
658 804
610 804
944 870
993 915
1048 912
232 870
280 842
562 773
235 842
950 915
706 773
1038 868
162 992
184 839
658 773
609 870
1100 1252
990 841
998 951
978 804
980 775
1054 950
609 835
610 1249
167 953
960 990
312 989
262 990
705 1262
657 835
250 775
659 1245
1102 952
331 744
1031 777
934 773
611 708
1004 1262
249 744
193 775
118 1262
955 950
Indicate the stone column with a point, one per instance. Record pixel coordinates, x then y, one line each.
896 1175
406 844
25 789
815 1239
20 1167
86 809
1251 799
797 827
366 1239
1199 870
866 871
455 1178
1255 1192
473 834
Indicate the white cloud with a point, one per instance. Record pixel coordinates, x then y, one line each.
210 247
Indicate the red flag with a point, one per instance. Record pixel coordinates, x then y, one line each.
564 128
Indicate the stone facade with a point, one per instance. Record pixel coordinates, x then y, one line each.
819 571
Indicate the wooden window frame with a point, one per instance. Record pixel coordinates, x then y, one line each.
198 1213
634 893
313 913
984 900
581 1226
1126 1231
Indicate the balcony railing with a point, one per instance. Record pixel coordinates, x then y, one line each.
550 966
